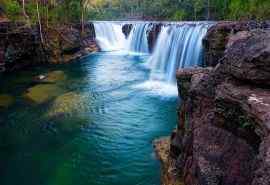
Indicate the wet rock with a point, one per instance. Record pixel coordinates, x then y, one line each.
6 100
67 112
42 93
162 149
62 122
152 35
126 29
68 103
51 77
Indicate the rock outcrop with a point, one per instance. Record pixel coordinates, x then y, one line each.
152 35
67 43
223 134
21 45
218 36
153 31
126 29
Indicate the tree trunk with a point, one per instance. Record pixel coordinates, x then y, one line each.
47 16
208 9
82 19
24 12
39 22
195 14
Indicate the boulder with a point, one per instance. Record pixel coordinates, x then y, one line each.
218 35
126 29
42 93
67 103
248 57
67 112
184 77
51 77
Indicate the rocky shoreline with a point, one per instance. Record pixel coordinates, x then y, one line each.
223 133
21 46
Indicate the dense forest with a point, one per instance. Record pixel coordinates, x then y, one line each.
66 11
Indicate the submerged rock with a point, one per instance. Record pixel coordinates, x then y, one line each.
67 112
51 77
66 104
63 122
42 93
6 100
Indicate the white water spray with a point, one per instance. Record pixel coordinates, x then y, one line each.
137 39
109 36
178 46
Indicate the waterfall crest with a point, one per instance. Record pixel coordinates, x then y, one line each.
178 46
109 36
137 40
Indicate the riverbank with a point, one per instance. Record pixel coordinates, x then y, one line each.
222 136
23 46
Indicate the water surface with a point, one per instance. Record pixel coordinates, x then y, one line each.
106 137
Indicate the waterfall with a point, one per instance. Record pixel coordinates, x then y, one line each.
178 46
137 40
109 36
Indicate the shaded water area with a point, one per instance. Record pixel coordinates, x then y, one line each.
96 130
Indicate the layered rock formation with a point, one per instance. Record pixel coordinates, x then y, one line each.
223 134
217 37
21 46
66 43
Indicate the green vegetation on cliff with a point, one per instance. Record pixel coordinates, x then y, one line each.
66 11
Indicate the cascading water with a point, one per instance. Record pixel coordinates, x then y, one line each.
137 40
178 46
109 36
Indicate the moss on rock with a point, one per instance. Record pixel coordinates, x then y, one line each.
42 93
53 77
65 104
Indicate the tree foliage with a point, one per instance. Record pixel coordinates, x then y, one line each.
66 11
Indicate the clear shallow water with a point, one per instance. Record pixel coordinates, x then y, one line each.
107 140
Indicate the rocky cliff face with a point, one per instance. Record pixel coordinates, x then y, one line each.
223 134
217 38
67 43
21 46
